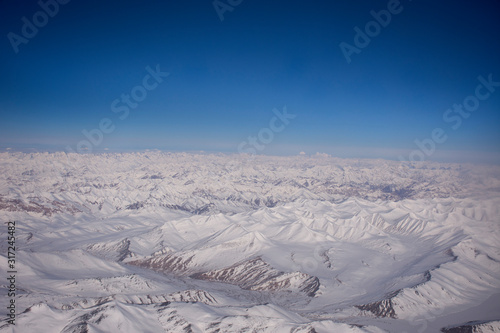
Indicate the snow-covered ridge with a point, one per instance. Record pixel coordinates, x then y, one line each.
48 184
158 242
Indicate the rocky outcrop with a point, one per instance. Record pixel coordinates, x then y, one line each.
256 274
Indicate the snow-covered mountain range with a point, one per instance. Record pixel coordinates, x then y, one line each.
179 242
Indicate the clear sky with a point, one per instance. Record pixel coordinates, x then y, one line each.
226 77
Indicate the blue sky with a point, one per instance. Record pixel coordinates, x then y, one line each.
226 77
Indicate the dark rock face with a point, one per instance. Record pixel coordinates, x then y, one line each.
461 329
256 274
164 263
473 327
383 308
81 323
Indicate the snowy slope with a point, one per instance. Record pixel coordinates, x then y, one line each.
161 242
